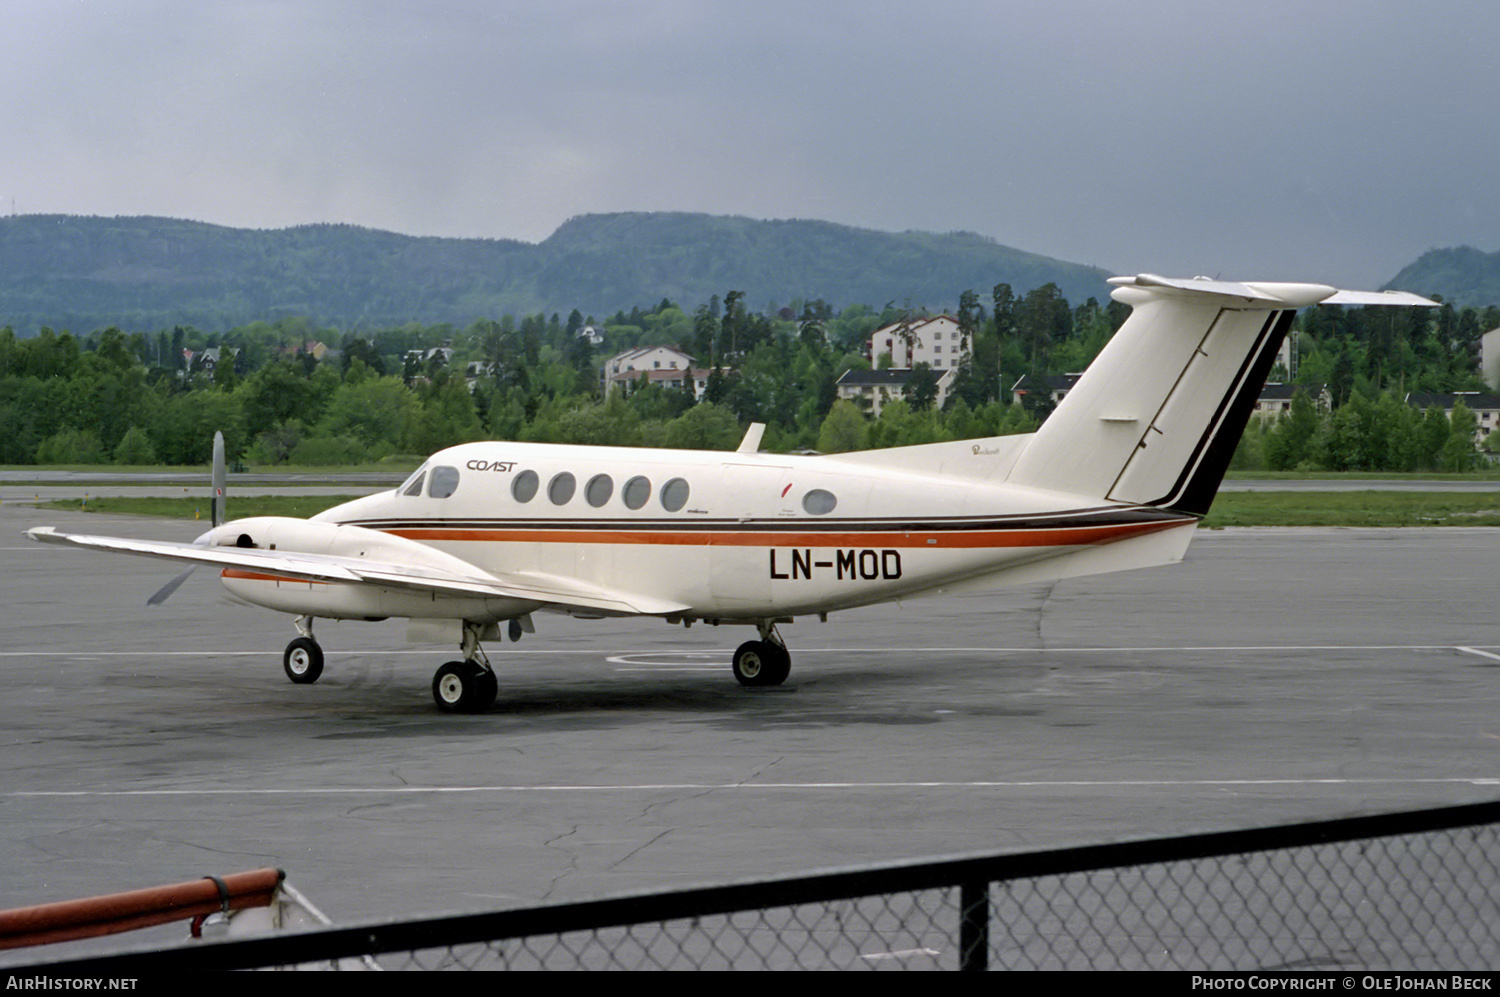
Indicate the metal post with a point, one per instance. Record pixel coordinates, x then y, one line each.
974 926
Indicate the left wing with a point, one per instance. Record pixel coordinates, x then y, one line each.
441 574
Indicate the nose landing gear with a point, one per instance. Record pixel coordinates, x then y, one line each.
303 658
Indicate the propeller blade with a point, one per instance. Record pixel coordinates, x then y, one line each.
218 480
163 593
216 514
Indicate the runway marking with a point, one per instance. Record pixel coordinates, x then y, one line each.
695 787
1482 654
629 662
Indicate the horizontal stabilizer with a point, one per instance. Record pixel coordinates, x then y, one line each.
1271 295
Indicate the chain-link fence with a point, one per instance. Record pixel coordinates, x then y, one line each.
1396 891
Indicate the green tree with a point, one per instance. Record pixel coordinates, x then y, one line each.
378 414
844 429
135 448
1457 453
705 426
70 446
448 416
277 392
1043 321
184 433
1432 434
921 389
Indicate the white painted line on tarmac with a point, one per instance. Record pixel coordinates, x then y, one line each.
693 787
614 658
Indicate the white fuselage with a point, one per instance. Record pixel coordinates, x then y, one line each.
720 536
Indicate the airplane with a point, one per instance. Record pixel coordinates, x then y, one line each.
488 534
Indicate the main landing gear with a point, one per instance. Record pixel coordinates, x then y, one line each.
467 686
470 685
762 662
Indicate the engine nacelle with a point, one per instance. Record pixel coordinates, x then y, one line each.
349 600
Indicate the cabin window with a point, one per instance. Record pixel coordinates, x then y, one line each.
637 492
674 494
444 482
523 488
819 502
599 489
561 488
413 484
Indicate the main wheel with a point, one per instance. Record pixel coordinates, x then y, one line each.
761 662
303 661
464 687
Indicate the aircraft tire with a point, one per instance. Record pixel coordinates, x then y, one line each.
464 687
761 663
303 661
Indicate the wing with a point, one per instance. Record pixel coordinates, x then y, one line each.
453 578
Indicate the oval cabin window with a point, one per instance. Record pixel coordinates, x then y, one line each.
561 488
819 502
599 489
637 492
523 489
674 494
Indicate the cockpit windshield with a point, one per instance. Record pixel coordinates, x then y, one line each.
444 482
413 484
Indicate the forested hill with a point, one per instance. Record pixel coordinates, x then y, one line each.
145 274
1464 276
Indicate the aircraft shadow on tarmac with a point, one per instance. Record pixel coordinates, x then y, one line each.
866 691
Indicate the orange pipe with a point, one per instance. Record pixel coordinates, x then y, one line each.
90 917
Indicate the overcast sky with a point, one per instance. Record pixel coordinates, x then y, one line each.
1331 141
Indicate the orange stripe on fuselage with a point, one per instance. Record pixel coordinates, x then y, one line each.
1077 536
255 576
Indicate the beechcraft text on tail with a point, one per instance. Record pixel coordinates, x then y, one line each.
485 535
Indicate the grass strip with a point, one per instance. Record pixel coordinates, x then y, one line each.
240 507
1372 508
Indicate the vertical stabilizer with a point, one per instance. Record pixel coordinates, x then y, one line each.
1157 416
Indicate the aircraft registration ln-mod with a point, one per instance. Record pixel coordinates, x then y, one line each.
484 535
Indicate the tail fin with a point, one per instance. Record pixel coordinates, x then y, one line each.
1157 416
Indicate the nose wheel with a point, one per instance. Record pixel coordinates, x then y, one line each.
303 658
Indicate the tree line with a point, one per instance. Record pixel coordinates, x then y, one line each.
109 397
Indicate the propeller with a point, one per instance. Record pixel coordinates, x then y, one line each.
217 514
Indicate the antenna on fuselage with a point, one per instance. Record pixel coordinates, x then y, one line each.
751 442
